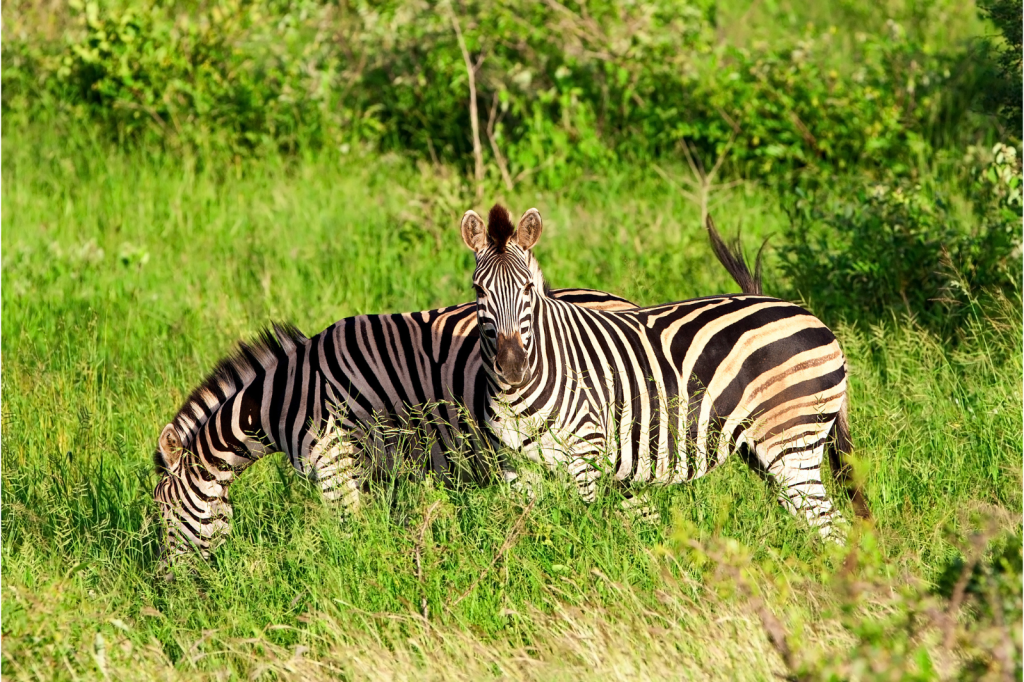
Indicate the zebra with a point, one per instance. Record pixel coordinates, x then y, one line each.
328 402
661 394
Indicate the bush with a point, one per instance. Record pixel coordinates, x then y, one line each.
234 77
862 248
892 625
563 89
1004 95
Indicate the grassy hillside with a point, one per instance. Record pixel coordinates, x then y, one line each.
125 278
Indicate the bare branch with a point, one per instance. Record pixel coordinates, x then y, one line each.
804 131
526 172
729 119
721 158
498 157
773 627
474 118
702 181
699 181
672 181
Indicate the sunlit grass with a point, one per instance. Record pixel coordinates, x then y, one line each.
125 279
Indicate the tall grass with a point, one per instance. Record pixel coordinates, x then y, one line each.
126 277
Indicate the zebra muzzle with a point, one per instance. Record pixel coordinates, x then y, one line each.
510 361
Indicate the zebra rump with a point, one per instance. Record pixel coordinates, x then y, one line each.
840 446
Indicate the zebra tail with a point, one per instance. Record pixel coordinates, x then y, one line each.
732 258
839 449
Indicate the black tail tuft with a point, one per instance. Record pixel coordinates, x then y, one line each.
733 260
838 450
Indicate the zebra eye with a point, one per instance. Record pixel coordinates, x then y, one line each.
479 290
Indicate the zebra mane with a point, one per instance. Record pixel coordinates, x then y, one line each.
233 373
499 227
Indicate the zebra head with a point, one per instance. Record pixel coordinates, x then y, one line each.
507 283
190 516
167 458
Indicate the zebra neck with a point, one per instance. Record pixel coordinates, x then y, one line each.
239 431
546 356
238 396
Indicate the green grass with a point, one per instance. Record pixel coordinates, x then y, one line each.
126 277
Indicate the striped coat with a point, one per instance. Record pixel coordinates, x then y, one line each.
369 396
661 394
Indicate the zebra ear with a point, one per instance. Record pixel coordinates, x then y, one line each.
170 447
529 229
474 232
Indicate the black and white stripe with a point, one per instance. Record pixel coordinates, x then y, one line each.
355 401
661 394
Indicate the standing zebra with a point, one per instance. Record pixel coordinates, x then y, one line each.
660 394
338 404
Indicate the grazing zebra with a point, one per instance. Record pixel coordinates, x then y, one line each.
660 394
338 404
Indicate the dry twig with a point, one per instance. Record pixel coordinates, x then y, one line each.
424 609
498 156
772 626
701 185
960 588
512 536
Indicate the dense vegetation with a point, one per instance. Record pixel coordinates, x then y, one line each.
175 175
563 90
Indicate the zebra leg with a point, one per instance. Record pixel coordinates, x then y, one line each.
579 461
637 507
583 471
334 464
796 467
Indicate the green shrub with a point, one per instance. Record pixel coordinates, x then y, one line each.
863 248
236 76
1004 95
563 89
892 626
